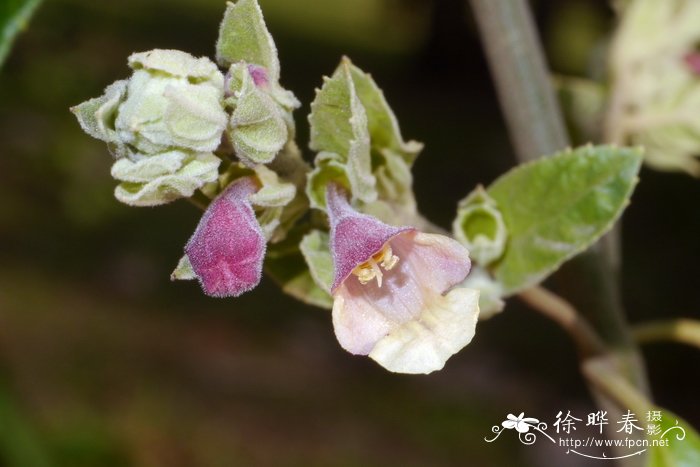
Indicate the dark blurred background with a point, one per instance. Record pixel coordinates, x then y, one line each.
105 362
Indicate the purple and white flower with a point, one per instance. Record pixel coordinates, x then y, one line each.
227 249
393 295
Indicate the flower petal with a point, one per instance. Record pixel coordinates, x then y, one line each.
355 237
424 345
227 249
441 261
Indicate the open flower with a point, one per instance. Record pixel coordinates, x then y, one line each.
392 292
227 249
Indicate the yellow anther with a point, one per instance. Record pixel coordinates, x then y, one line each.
371 269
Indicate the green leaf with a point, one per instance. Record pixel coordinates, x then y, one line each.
314 247
243 36
555 207
339 126
683 448
14 17
382 123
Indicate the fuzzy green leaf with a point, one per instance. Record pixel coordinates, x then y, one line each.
257 127
243 36
314 247
382 123
555 207
339 126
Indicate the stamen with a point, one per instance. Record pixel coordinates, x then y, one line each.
372 268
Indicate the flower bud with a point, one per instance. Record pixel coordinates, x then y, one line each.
479 226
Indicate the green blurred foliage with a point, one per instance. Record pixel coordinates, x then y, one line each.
14 16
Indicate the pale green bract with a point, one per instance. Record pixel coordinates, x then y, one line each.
556 207
271 200
382 123
339 133
243 37
479 226
314 247
163 177
162 125
360 146
257 128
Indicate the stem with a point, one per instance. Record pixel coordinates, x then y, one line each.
199 200
523 84
564 314
686 331
536 127
604 375
517 62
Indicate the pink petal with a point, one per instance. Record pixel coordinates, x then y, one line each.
355 237
228 247
441 261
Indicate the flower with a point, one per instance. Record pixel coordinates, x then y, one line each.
522 425
162 125
227 249
392 291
